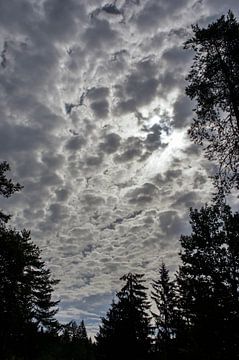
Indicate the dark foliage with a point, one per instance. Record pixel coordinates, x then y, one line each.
214 84
73 343
26 286
125 331
208 281
7 187
28 328
166 316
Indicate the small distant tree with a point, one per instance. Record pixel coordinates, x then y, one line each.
214 85
75 343
125 331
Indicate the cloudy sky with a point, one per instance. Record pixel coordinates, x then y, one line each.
94 125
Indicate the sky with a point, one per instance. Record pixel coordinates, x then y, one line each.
94 121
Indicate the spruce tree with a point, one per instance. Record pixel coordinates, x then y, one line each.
26 286
165 316
208 282
125 331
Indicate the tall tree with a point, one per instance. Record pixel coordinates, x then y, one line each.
125 332
165 316
208 281
26 286
214 85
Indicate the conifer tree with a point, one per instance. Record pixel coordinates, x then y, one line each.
208 282
165 316
26 286
214 85
125 331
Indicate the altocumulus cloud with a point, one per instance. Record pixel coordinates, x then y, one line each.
93 123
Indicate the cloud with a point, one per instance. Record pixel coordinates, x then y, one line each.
139 88
110 144
182 112
143 195
99 35
130 149
94 120
75 143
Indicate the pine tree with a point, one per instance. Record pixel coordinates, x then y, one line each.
214 84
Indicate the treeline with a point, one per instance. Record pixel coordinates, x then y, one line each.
190 316
28 327
195 315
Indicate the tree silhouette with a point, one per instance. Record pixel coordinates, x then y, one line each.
26 286
164 297
74 342
208 281
7 187
125 331
214 84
